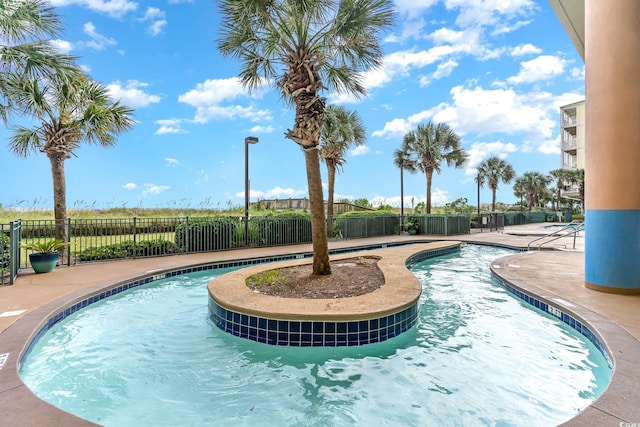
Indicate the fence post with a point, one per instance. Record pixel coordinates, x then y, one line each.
15 231
68 249
186 234
446 228
135 251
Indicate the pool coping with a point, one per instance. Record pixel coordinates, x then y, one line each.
18 405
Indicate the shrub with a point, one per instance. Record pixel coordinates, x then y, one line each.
128 249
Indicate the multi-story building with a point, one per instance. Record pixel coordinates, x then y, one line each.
572 137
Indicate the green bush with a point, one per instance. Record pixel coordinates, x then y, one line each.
128 249
4 251
207 234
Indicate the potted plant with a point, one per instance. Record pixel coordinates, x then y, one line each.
45 254
412 226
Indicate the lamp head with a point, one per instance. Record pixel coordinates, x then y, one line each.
251 140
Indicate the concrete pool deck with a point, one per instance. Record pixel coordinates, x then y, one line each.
556 276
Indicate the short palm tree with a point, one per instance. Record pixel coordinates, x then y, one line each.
493 171
533 185
576 177
23 53
563 178
341 130
402 160
67 113
304 47
430 145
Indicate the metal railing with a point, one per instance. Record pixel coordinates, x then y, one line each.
571 229
92 240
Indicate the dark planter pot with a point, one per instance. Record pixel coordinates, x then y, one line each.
44 262
412 231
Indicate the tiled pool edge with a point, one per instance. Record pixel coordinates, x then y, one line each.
277 328
573 321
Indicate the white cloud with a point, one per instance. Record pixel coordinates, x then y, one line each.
359 150
171 163
156 16
113 8
130 186
131 94
506 28
498 111
543 67
98 41
207 97
62 45
444 70
577 73
482 150
414 7
154 189
157 27
489 12
152 13
549 146
274 193
487 111
169 126
396 128
525 49
262 129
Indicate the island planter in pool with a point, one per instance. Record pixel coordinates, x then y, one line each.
45 254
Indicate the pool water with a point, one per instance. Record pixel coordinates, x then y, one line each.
150 356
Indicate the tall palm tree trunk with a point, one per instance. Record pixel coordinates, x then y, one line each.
321 264
429 175
493 199
331 172
59 194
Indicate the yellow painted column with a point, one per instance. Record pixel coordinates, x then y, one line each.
612 171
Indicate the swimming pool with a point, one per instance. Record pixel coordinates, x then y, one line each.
477 356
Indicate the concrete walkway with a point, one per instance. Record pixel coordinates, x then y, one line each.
554 276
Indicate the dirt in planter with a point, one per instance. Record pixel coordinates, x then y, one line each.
349 278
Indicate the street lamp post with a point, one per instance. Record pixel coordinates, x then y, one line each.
248 140
478 179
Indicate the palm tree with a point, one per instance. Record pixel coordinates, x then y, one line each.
495 170
576 177
340 131
22 52
304 47
67 113
533 184
562 177
429 145
402 159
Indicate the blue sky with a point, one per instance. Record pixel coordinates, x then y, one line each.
496 71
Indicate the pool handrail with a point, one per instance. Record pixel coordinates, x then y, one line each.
574 226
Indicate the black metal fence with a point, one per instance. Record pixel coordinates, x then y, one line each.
93 240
